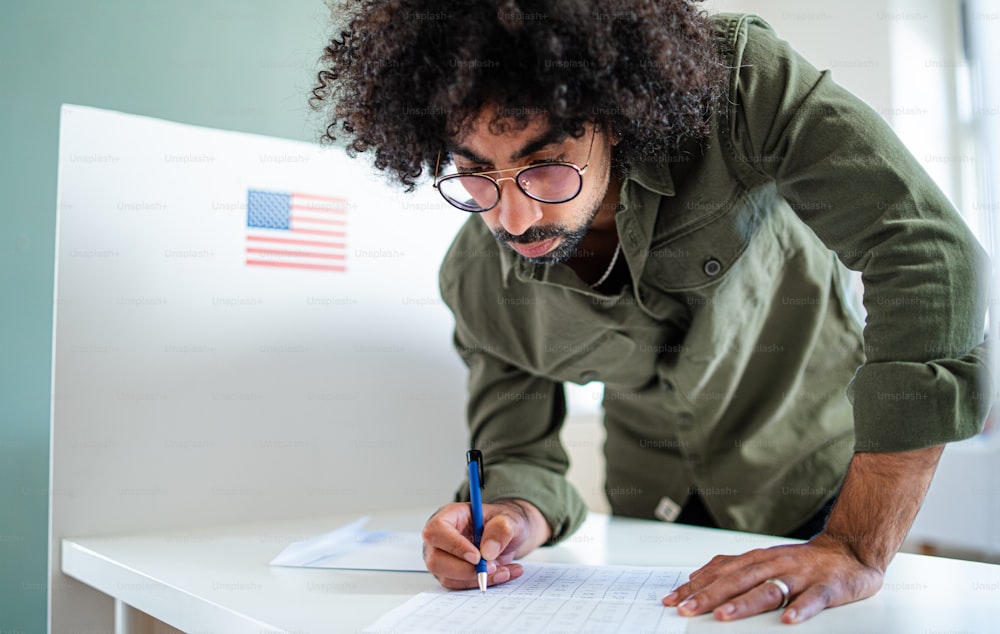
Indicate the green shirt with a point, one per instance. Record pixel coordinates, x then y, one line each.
726 357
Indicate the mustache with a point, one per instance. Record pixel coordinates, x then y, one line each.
533 234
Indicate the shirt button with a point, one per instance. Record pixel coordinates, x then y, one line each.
712 267
697 463
685 421
588 376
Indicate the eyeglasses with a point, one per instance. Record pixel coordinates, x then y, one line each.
477 192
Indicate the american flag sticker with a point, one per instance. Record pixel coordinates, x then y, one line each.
296 231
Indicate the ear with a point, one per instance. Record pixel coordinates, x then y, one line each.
605 127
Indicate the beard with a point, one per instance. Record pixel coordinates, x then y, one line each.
571 238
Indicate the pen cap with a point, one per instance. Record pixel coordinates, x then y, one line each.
474 455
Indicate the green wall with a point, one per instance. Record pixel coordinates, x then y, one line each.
233 64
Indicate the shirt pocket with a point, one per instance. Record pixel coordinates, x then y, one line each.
700 253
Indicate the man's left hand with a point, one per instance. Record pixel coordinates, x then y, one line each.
821 573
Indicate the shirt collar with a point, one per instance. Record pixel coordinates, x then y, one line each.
653 176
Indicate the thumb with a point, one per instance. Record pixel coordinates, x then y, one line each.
503 531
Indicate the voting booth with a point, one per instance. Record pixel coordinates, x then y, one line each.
249 329
246 328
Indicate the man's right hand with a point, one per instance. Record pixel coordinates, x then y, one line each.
511 529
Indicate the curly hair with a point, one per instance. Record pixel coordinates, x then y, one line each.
405 76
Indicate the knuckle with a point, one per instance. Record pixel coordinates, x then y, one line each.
693 586
758 569
773 593
707 597
502 525
825 593
706 582
431 559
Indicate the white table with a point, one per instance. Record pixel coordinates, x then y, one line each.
217 579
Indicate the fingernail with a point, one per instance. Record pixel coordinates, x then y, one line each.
670 598
490 549
791 615
501 576
688 606
473 558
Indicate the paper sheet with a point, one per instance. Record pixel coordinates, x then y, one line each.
353 547
549 598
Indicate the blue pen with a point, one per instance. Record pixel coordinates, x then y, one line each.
476 484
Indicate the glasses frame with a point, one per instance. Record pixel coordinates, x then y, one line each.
517 173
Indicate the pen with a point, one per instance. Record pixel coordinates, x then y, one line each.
476 484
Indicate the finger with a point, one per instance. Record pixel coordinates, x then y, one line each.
685 590
498 533
444 565
707 597
513 571
764 597
682 592
699 579
503 574
444 532
457 514
672 599
808 604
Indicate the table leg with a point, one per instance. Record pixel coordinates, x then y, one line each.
129 620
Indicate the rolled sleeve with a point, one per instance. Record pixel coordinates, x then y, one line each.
850 179
515 419
939 401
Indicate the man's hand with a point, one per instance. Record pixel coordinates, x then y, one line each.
821 573
510 529
877 503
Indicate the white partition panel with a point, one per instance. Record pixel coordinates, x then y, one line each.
193 387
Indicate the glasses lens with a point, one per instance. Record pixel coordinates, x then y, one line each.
551 183
471 193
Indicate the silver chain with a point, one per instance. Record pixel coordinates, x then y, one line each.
614 259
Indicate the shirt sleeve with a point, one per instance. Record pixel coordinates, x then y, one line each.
514 419
846 174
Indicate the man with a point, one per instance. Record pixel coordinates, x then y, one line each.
660 201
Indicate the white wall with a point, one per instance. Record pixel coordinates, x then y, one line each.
899 56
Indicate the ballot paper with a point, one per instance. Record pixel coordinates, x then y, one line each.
549 598
353 547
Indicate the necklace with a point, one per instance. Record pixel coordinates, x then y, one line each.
614 260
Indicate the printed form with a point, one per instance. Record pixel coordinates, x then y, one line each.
549 598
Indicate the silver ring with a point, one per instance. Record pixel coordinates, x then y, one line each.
785 592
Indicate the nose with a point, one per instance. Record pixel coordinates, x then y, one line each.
516 212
